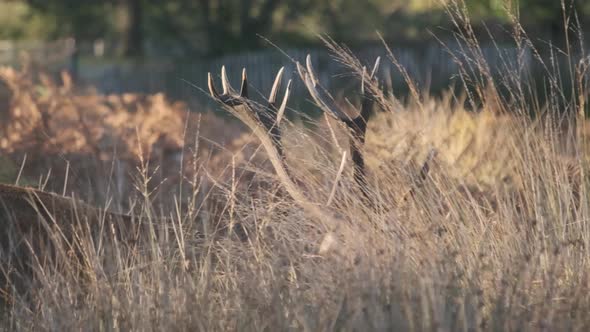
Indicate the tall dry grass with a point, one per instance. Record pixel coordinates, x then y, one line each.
495 238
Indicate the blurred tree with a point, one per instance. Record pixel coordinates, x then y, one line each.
211 27
82 19
215 26
361 20
12 16
545 15
549 14
134 29
487 8
89 20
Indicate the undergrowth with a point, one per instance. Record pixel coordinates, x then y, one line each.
495 238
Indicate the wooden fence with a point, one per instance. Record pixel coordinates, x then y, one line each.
53 54
431 66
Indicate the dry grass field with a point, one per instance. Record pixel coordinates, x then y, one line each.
496 236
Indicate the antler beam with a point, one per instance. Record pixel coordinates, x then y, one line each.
264 122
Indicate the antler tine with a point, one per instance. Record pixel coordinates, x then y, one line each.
363 80
281 110
371 76
375 67
319 95
367 101
310 69
244 87
228 97
225 81
272 97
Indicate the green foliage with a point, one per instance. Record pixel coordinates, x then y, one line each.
486 8
210 27
12 16
81 19
549 13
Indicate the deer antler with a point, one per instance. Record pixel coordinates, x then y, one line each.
264 122
357 124
269 117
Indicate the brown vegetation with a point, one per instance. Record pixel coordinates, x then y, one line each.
78 138
496 236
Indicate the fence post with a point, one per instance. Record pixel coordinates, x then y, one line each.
14 48
74 58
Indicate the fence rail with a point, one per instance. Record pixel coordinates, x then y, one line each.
431 66
52 53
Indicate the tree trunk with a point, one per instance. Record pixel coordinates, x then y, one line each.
264 21
245 19
134 34
205 7
251 27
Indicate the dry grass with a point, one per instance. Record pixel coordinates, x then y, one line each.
464 251
496 237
